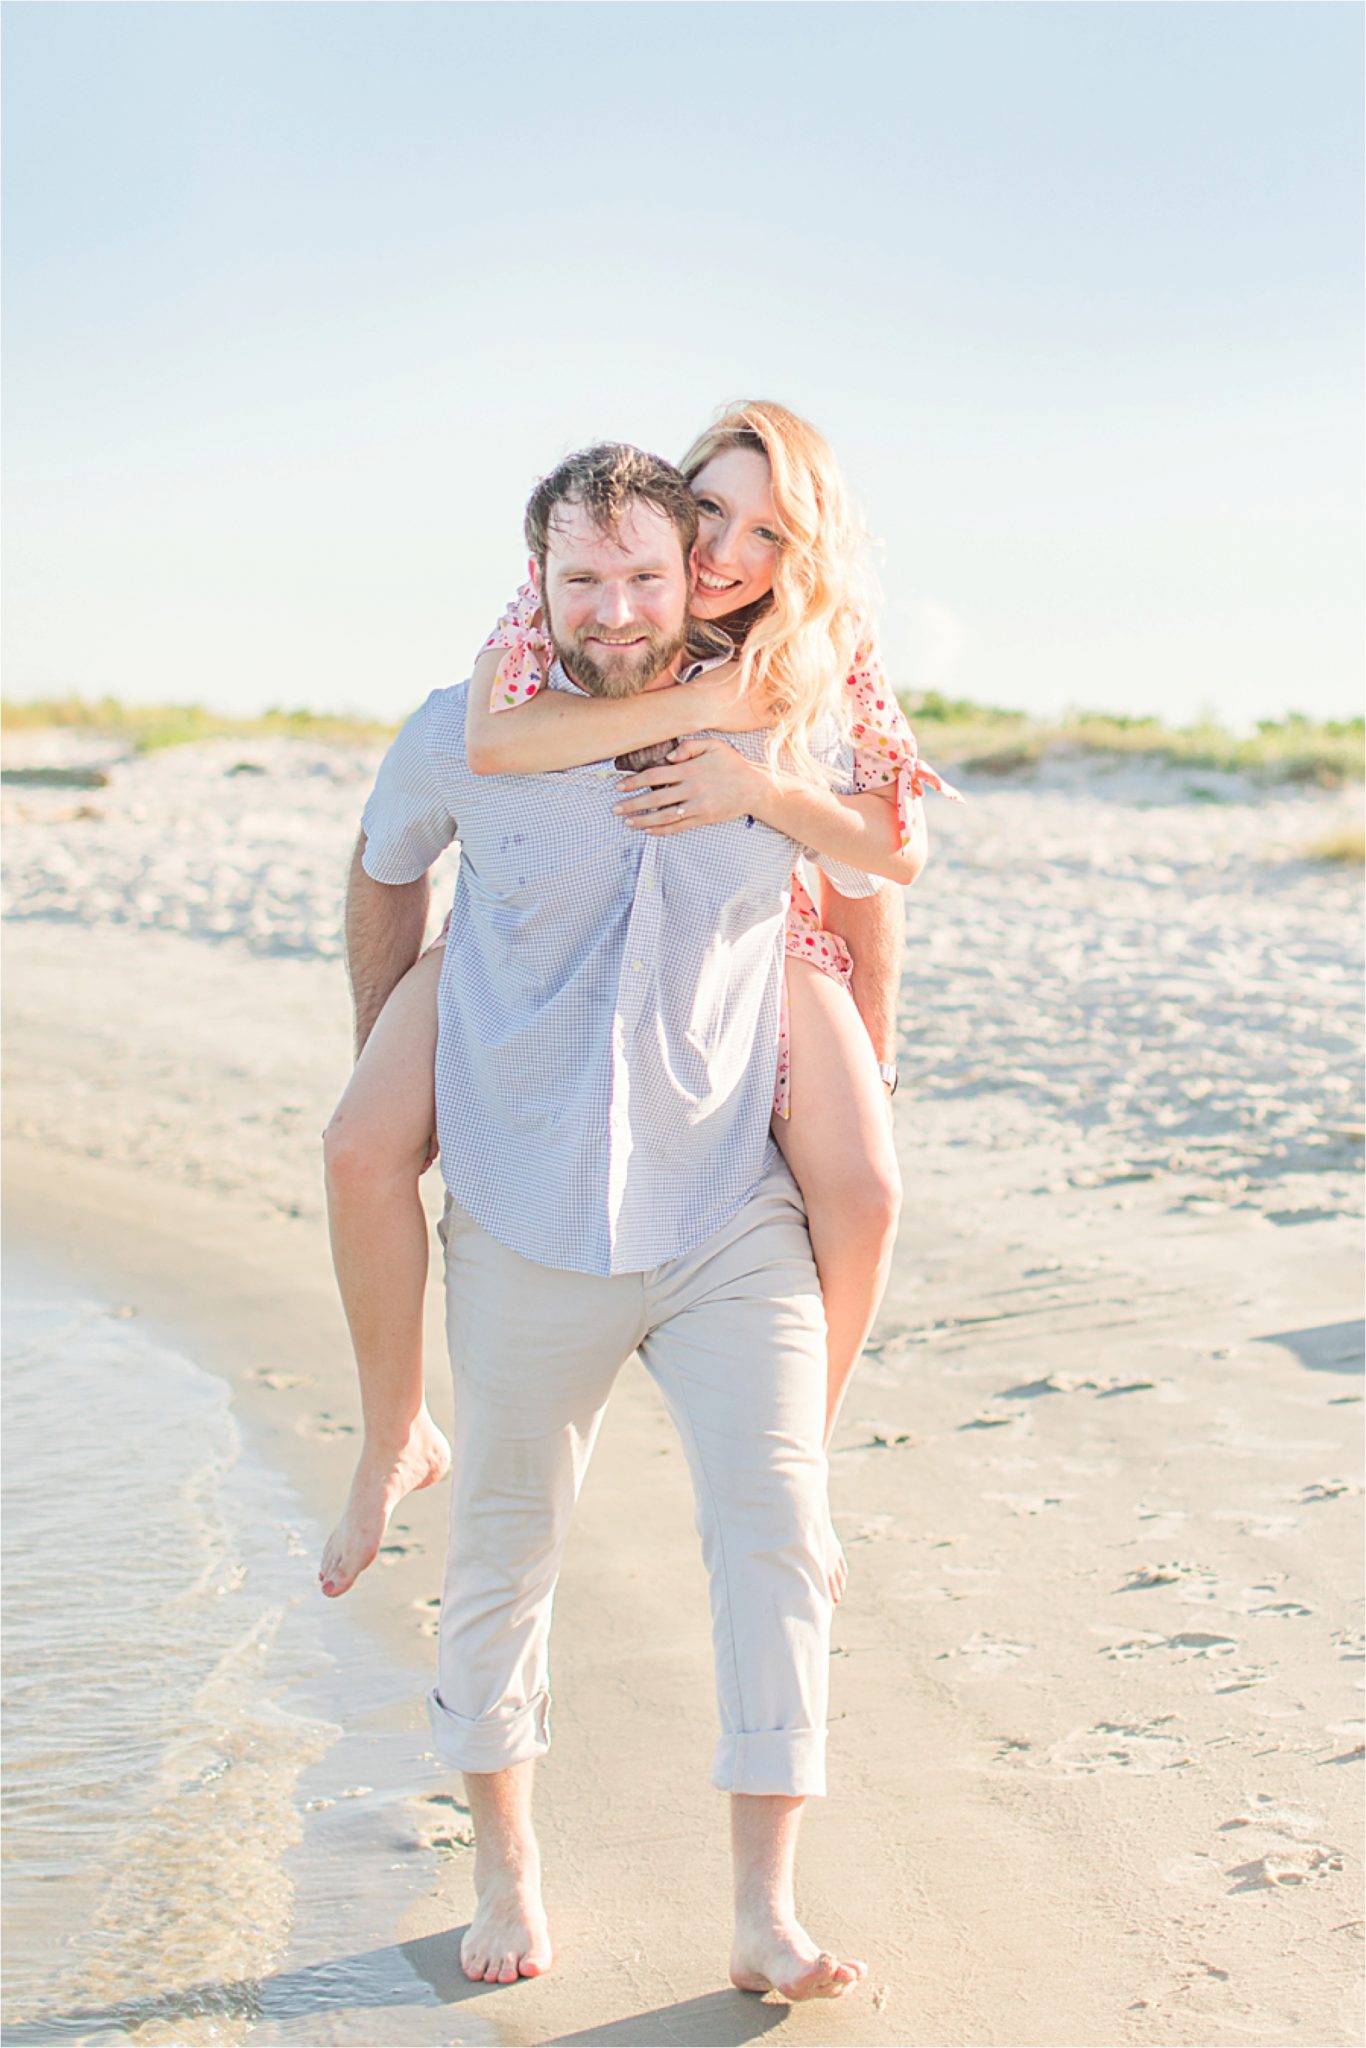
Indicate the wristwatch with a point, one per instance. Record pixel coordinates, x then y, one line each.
889 1074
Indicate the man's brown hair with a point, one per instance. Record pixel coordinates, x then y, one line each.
604 481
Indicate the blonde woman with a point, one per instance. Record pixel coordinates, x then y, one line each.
777 568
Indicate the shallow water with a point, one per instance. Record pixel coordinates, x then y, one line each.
178 1781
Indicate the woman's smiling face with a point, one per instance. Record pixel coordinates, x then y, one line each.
737 538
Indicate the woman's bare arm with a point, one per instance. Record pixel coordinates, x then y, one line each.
714 781
556 730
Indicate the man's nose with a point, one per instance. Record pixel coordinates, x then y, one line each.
614 605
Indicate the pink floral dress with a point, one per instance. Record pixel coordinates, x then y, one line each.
885 758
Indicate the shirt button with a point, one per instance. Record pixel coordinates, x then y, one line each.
636 966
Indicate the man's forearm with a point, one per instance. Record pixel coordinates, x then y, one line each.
385 927
874 930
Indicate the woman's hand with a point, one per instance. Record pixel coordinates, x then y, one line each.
703 782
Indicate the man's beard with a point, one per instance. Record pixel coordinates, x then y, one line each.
623 675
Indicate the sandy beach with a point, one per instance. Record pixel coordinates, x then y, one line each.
1096 1744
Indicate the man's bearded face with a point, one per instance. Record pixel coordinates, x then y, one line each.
616 602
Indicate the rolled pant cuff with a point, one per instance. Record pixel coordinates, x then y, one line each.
511 1736
783 1763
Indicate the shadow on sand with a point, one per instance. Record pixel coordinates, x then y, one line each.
1325 1347
383 1977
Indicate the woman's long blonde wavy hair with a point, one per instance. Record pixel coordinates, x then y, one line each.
798 652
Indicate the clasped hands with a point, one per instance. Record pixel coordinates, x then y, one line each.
702 781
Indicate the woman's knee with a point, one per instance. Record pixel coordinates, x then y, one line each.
360 1153
863 1200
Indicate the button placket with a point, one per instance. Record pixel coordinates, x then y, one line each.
637 993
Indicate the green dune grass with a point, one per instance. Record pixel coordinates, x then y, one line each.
953 732
988 741
1348 846
146 727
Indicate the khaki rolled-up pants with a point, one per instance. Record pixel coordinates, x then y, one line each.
733 1333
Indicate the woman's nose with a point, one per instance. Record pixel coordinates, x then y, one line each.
715 550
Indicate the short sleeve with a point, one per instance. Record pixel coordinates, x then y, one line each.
407 820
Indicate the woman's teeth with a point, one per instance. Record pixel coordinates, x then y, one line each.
717 583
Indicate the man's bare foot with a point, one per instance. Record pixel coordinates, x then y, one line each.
776 1954
508 1937
383 1478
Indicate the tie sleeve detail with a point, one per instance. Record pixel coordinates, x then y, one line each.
885 749
527 653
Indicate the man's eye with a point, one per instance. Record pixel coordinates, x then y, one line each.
648 576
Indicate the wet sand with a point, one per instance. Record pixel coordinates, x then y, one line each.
1096 1743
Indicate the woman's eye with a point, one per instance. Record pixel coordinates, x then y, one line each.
765 534
710 507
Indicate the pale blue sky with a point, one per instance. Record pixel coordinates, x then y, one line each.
300 299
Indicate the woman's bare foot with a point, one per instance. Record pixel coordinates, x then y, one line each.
508 1937
383 1477
774 1953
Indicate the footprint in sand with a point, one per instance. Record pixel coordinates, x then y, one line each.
1029 1504
390 1553
1012 1749
444 1826
987 1656
1252 1522
1174 1572
1187 1647
429 1615
281 1382
324 1425
1267 1873
1350 1645
1143 1748
1328 1489
1242 1677
1051 1383
1286 1847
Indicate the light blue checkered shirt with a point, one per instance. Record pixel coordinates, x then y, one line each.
609 1001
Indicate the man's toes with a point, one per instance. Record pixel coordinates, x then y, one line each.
507 1970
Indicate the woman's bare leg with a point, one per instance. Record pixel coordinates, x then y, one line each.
376 1149
838 1143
